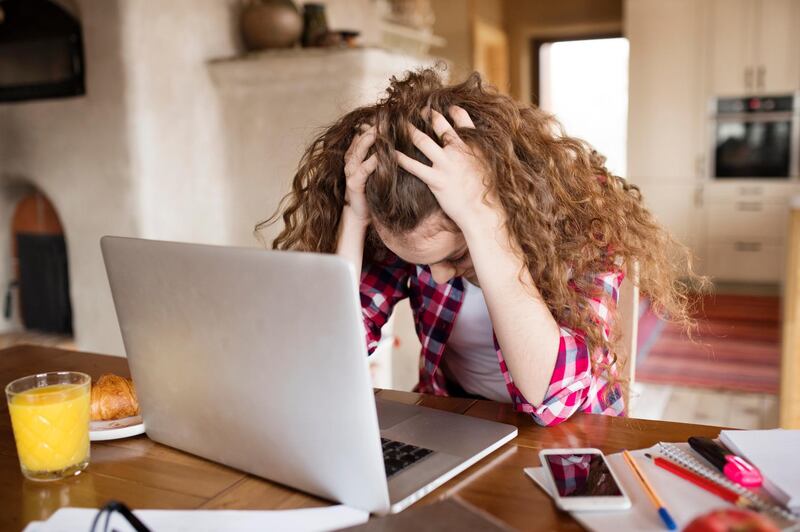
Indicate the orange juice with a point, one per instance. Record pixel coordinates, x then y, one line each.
51 428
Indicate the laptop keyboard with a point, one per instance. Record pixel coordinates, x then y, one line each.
398 455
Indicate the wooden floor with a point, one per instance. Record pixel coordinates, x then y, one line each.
10 339
704 406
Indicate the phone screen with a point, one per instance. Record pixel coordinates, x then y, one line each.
581 475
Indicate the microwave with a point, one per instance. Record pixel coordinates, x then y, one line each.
756 137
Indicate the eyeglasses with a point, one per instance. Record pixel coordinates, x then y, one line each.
116 506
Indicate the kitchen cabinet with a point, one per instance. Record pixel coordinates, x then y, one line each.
753 46
666 105
746 225
683 55
676 206
667 113
731 43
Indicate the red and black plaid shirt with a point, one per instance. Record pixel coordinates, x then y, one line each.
573 386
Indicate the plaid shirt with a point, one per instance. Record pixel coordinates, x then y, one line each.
573 386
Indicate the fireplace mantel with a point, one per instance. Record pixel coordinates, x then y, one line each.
300 67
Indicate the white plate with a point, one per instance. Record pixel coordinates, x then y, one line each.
116 428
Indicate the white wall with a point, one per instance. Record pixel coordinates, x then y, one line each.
76 151
140 154
11 191
176 137
155 148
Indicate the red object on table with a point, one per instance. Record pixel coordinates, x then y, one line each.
731 520
704 483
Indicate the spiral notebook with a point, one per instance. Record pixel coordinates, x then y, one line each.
684 500
688 461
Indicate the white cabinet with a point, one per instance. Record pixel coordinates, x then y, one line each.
666 111
754 46
778 46
675 205
745 261
666 106
731 36
746 226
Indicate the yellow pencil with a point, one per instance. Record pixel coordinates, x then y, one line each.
651 493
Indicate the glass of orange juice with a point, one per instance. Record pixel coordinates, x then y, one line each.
50 416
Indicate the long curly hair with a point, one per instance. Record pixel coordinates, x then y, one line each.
566 214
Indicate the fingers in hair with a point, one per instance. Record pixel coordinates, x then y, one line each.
426 145
359 148
443 128
460 117
369 165
422 171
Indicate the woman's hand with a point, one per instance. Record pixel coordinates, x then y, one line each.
356 172
458 175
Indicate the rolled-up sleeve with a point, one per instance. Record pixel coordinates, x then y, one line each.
574 386
570 383
383 284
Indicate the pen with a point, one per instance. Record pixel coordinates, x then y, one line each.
697 480
651 493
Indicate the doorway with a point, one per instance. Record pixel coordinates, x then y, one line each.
584 83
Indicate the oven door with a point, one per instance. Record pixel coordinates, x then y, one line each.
750 145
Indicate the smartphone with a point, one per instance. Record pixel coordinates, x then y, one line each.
582 480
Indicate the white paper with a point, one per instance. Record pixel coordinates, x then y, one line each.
684 501
775 454
303 520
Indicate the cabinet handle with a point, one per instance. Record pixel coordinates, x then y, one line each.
748 78
749 206
760 75
700 166
751 191
747 246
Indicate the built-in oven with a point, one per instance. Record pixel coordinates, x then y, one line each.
756 138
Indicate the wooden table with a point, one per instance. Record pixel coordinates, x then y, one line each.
145 474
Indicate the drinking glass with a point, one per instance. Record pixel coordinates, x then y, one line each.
50 417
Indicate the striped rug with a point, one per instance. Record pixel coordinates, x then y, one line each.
736 347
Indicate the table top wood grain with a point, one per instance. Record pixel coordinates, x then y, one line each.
145 474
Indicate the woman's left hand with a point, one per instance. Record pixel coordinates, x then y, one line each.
458 176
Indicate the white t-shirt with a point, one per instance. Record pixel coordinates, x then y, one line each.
470 358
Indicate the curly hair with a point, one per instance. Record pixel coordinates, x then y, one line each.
566 214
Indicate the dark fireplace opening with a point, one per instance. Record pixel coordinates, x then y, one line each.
44 283
42 274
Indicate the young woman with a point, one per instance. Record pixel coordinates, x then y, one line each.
509 238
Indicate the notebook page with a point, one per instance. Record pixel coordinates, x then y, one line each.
776 453
307 519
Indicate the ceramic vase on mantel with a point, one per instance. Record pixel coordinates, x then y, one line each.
271 24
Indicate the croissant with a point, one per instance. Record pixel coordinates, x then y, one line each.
113 397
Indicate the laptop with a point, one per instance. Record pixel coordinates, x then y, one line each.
257 359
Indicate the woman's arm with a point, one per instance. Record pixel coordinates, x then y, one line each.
355 213
380 284
526 331
350 242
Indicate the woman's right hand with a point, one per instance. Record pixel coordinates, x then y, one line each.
357 170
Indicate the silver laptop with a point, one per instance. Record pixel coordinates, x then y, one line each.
257 359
